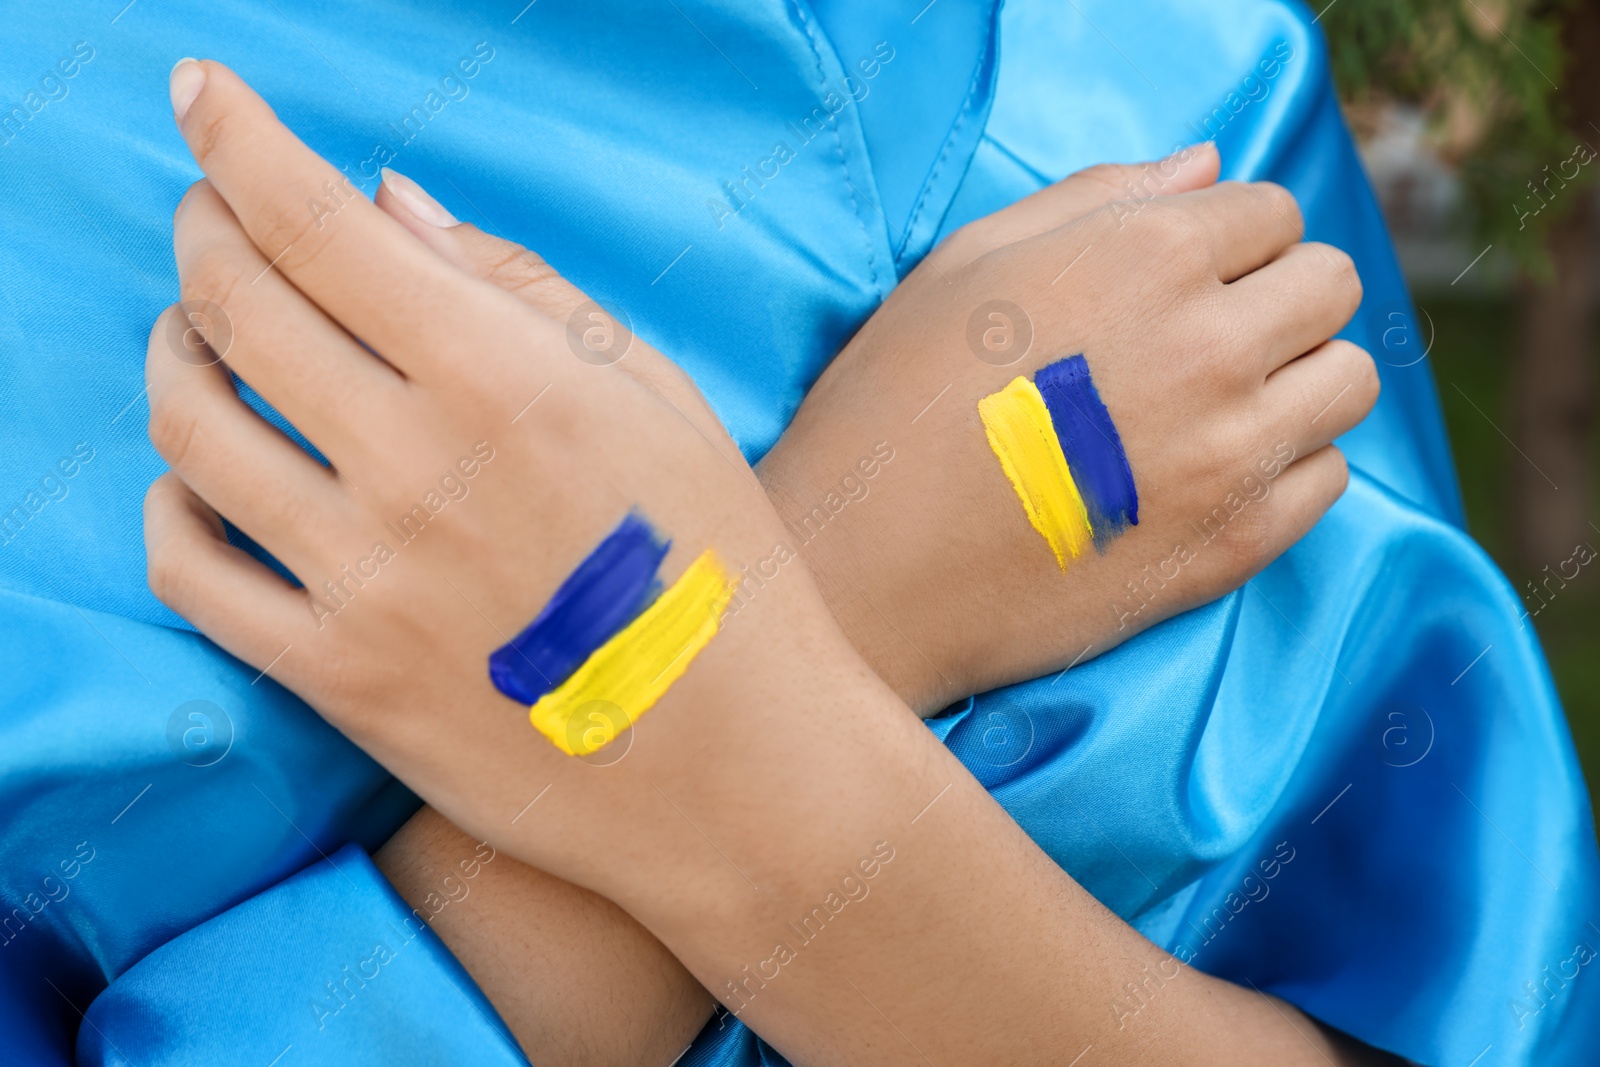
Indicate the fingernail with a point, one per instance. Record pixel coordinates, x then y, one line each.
188 77
1184 154
417 200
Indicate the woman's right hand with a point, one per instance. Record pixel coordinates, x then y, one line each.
1205 322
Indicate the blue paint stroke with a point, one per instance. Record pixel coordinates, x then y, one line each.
607 591
1093 449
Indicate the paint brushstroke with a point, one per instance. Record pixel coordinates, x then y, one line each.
1023 438
632 671
1093 448
606 592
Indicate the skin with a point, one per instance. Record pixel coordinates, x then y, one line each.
1201 310
839 423
733 750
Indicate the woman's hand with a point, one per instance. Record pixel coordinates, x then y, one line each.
474 459
741 825
865 419
1206 324
473 464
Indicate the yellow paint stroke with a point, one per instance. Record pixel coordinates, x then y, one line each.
1024 440
634 669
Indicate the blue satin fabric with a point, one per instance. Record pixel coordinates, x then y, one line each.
334 938
1367 721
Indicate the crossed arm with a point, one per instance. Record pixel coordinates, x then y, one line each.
739 809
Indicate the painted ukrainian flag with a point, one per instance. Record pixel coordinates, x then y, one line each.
611 642
1062 454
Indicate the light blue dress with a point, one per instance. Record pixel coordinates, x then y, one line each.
1349 784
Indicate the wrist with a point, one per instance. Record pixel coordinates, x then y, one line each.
832 524
750 791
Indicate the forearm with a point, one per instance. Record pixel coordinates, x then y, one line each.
579 982
766 845
967 946
575 978
724 830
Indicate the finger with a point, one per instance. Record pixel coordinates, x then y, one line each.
301 362
351 259
233 458
1303 492
1247 224
232 598
1299 300
1078 194
503 263
528 277
1321 395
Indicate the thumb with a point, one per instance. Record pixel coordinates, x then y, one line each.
1078 194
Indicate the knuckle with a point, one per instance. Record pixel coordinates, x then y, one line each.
213 274
1284 205
1108 176
1349 278
162 495
1222 345
164 574
169 575
1174 236
285 225
986 275
173 428
406 509
209 137
157 340
1338 465
302 513
1364 371
1340 263
517 270
196 189
1248 548
1338 471
1327 476
349 684
338 681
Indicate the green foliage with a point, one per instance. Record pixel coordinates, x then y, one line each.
1485 75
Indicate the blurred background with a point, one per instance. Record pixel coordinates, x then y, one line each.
1480 125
